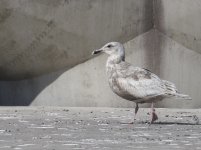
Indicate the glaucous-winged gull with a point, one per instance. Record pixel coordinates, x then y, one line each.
134 83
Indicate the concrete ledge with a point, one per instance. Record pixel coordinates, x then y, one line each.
98 128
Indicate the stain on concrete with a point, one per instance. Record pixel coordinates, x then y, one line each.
4 14
32 46
86 80
52 3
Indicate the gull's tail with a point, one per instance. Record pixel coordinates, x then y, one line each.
182 96
171 90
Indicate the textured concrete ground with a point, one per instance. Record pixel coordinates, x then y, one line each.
97 128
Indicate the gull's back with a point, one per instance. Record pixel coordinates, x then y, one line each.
134 83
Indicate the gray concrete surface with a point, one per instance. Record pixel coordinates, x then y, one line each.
38 37
60 128
179 19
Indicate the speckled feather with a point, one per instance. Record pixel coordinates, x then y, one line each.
134 83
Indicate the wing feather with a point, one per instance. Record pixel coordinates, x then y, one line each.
139 82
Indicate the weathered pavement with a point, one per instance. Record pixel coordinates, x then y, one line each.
97 128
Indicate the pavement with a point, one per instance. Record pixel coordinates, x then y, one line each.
63 128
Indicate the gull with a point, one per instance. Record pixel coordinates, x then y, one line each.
135 84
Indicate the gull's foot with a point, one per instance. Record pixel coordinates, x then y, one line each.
154 117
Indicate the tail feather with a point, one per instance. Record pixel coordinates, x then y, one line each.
182 96
170 87
171 90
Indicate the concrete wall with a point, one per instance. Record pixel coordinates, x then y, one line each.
38 37
180 53
181 66
180 20
84 85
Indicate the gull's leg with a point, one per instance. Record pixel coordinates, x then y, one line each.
154 117
136 110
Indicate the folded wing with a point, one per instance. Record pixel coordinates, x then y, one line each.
139 82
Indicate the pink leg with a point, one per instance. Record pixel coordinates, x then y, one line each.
154 117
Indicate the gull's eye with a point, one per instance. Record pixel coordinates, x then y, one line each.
109 46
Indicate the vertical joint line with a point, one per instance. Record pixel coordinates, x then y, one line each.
154 14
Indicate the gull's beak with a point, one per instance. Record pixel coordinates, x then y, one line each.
97 51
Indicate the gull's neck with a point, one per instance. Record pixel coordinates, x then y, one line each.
112 62
115 59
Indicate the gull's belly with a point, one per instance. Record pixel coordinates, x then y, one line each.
117 89
135 95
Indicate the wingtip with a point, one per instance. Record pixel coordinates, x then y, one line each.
183 96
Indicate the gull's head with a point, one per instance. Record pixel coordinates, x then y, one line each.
112 48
